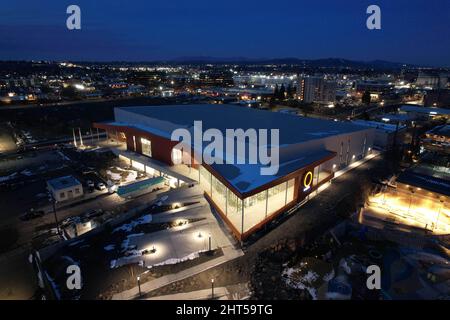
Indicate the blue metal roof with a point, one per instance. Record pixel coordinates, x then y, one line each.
63 182
426 110
246 177
293 129
426 182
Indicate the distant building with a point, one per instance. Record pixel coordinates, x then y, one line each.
373 86
316 89
65 188
403 119
437 139
424 113
423 193
432 80
425 182
385 133
437 98
264 80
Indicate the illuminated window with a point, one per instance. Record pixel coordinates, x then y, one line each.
146 147
177 156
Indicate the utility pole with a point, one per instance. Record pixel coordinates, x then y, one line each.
394 143
209 247
139 285
439 213
52 199
74 138
81 138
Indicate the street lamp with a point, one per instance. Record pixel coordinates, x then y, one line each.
439 212
139 285
53 201
209 239
212 288
410 199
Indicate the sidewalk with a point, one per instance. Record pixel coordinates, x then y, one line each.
220 293
229 253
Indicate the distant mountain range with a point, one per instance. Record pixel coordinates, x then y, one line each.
334 63
324 63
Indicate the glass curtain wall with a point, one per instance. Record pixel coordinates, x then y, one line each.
256 208
320 174
146 147
264 204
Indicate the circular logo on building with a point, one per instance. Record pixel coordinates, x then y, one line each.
307 180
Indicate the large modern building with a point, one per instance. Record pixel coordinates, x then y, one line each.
316 89
419 198
437 139
387 135
432 81
310 152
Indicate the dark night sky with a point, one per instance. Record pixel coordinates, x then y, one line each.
413 31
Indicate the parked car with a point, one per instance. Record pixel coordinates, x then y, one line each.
32 214
92 213
69 221
90 183
101 186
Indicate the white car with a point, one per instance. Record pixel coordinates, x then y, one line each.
101 186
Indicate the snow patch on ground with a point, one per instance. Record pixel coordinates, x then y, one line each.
133 258
63 156
7 178
128 227
117 176
114 176
75 243
192 256
126 243
136 257
110 247
344 265
302 282
27 172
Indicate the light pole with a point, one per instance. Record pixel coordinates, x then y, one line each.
139 285
209 246
212 289
439 213
410 199
53 200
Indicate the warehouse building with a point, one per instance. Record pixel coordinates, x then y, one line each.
437 140
310 152
65 188
387 135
